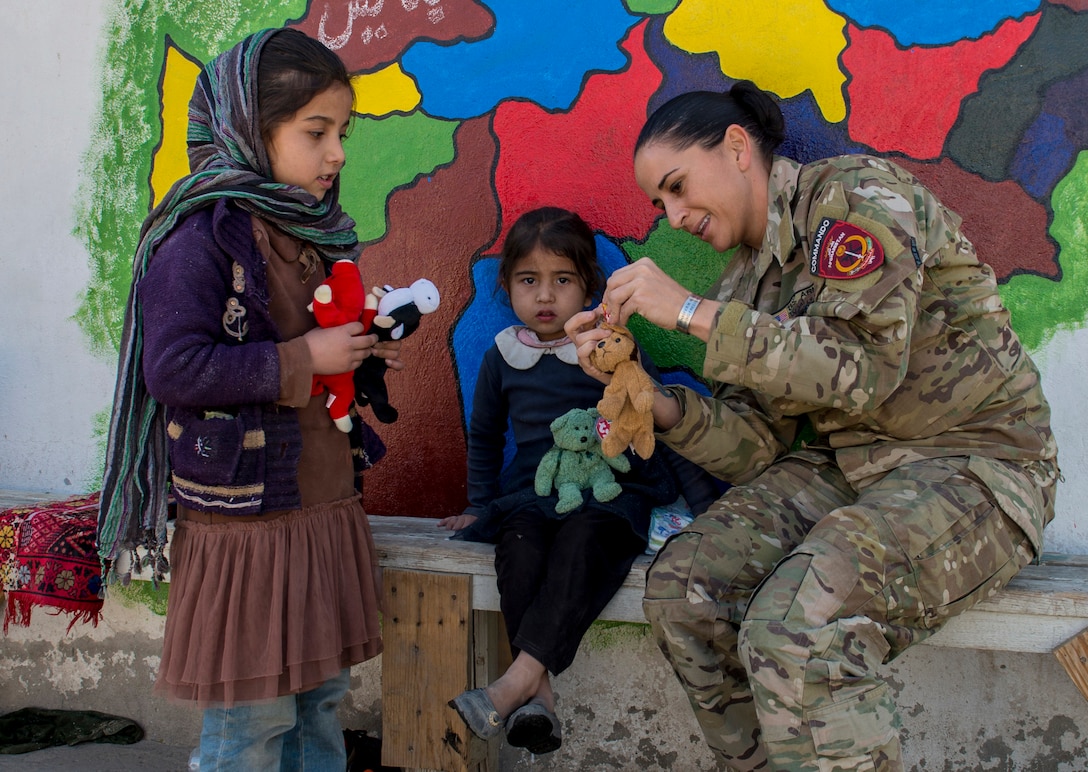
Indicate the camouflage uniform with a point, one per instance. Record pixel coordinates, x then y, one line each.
926 489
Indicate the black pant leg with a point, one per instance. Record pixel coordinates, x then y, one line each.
590 555
521 556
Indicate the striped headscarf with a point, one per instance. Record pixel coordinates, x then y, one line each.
228 160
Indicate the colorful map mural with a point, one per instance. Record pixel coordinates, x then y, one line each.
470 113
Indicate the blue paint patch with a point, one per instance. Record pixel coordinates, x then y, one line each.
681 71
809 137
539 52
1043 157
485 316
932 22
474 333
1066 99
610 256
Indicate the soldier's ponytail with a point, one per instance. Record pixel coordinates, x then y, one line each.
701 117
768 127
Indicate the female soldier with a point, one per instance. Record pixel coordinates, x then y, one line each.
853 305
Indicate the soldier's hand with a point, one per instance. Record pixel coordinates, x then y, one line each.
643 288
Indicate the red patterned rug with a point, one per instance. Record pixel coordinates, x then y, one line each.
48 559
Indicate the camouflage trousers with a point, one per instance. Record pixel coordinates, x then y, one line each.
777 606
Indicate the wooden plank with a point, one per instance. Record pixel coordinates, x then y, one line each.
1061 559
625 606
988 631
1040 609
15 498
1000 630
1073 654
427 660
491 658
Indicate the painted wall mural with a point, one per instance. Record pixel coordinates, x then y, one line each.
470 113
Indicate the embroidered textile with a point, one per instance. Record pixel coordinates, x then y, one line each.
48 559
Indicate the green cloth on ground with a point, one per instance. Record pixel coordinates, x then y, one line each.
31 729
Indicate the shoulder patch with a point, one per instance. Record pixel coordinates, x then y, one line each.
842 250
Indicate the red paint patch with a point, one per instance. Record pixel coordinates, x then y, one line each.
842 250
1007 226
891 109
581 159
377 35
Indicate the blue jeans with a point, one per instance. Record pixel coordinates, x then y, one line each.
295 733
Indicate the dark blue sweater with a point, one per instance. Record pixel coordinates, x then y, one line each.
528 401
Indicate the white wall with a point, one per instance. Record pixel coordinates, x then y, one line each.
1064 365
51 387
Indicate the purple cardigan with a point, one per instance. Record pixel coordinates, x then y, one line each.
210 356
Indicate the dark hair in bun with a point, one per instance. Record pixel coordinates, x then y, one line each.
701 117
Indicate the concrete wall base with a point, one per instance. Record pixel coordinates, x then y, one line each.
621 707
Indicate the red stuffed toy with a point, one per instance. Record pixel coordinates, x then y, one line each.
341 299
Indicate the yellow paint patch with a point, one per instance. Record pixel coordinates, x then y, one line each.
385 91
170 163
785 47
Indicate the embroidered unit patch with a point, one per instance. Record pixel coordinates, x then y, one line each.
842 250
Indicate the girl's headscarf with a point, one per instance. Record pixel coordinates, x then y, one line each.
228 160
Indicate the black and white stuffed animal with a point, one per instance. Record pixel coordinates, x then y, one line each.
399 312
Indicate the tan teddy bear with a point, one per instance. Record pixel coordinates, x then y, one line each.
628 398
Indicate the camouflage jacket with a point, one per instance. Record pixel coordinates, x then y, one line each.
867 312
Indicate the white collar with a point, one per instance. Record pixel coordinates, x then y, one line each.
522 349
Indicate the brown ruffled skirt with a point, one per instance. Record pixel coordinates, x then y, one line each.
270 607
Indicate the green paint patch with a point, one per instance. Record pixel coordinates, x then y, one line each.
652 7
1039 306
100 431
603 635
694 264
115 189
385 154
142 593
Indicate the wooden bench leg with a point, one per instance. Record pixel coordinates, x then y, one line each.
491 658
1073 654
428 659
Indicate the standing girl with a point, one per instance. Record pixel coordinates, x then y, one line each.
555 572
274 581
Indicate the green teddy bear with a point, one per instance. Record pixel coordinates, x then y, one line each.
575 463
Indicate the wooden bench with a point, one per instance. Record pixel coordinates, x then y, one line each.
443 633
